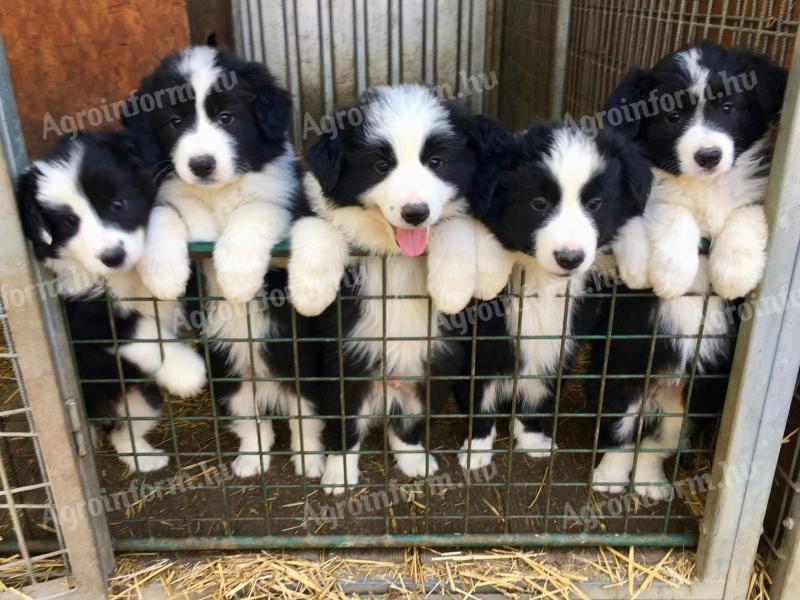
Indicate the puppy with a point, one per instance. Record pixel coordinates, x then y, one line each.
85 206
230 176
558 204
709 158
392 183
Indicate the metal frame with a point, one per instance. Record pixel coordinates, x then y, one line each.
46 370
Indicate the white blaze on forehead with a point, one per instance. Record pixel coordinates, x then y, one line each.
698 76
58 184
572 161
405 117
198 66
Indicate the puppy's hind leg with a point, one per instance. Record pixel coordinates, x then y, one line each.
256 435
306 439
140 407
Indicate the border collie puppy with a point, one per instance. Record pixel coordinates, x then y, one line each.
85 205
389 184
231 177
709 158
558 204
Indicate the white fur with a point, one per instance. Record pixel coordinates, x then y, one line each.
412 459
480 453
494 264
631 249
128 437
534 443
613 473
341 471
452 263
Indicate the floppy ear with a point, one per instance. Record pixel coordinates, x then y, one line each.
324 159
491 144
142 155
635 172
634 87
535 141
770 82
272 105
30 212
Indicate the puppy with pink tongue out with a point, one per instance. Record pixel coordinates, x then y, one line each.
394 182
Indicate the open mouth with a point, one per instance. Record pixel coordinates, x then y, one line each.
411 242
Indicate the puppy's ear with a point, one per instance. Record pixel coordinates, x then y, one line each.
635 172
634 87
324 159
491 144
272 105
535 141
30 211
142 155
770 84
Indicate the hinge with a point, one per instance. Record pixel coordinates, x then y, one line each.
74 410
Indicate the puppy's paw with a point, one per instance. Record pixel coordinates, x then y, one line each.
480 455
333 479
312 290
147 458
735 274
450 294
183 372
632 253
165 276
250 465
240 272
314 465
612 475
416 464
655 493
535 444
673 277
489 282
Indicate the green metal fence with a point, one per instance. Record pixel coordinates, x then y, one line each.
198 502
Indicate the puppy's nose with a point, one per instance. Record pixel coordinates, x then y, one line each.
113 257
202 165
415 213
569 259
708 158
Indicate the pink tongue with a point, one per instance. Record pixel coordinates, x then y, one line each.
412 242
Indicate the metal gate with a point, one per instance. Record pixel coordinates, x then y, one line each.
325 51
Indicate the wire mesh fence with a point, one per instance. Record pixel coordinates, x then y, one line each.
524 496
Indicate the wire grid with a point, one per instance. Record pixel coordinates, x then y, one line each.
27 519
197 502
610 37
786 485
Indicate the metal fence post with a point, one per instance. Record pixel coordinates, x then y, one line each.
48 374
561 51
762 378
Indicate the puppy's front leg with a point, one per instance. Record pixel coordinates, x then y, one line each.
494 264
243 250
739 253
632 252
452 263
318 259
674 238
165 265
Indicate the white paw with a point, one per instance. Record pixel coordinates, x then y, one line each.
154 460
657 493
183 372
166 277
311 291
415 464
655 485
450 295
535 444
479 457
672 279
333 479
249 465
612 475
632 252
733 279
634 274
240 275
489 282
314 465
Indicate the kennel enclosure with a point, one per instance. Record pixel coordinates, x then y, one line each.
515 59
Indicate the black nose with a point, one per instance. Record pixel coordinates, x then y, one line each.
114 257
708 158
569 259
414 214
203 165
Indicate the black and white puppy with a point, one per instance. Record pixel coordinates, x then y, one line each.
85 206
558 204
392 183
709 158
231 177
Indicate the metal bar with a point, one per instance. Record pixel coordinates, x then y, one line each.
47 372
764 368
785 571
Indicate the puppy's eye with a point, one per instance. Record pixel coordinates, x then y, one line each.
72 220
594 204
727 108
434 162
540 204
119 204
383 166
674 117
176 122
225 118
